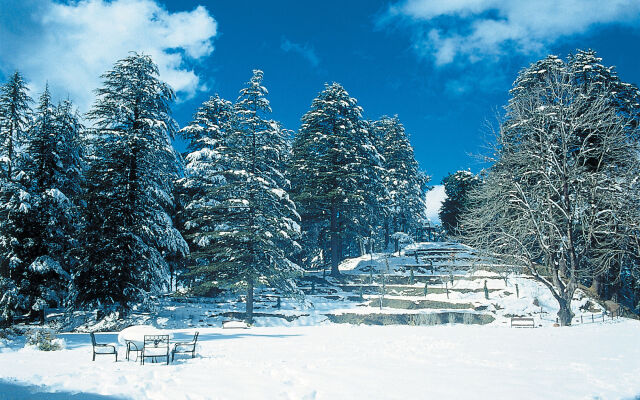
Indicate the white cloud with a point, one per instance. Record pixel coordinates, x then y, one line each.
306 51
477 29
71 44
434 199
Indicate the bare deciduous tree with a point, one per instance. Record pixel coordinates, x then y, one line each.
557 198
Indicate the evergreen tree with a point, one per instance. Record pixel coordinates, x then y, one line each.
55 173
15 199
15 120
209 130
405 183
202 189
457 187
241 225
17 231
132 170
335 170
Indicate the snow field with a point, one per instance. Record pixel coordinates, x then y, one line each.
349 362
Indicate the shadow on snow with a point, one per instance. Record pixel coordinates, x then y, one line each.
16 391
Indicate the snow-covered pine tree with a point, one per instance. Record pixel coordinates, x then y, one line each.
273 220
365 232
457 187
55 172
15 199
405 183
241 224
334 170
15 120
17 231
203 188
130 179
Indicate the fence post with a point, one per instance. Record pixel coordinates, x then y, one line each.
581 321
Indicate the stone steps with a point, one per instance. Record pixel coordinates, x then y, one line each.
404 304
436 318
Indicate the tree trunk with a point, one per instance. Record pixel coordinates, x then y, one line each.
387 234
170 277
361 246
10 151
249 305
122 313
565 315
596 285
335 257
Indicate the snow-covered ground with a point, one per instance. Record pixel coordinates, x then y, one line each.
354 362
311 350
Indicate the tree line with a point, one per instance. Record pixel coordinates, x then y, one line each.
100 211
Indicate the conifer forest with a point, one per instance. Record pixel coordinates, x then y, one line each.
381 199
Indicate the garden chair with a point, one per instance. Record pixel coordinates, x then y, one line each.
102 348
185 347
155 346
132 346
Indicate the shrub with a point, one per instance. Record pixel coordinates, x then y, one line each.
44 339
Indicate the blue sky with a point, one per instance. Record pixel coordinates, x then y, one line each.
444 66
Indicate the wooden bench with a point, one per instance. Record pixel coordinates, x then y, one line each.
417 267
523 322
234 324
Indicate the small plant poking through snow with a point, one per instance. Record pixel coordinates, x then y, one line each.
44 340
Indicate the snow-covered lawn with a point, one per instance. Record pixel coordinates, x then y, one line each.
599 360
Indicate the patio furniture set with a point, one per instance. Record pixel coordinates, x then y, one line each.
146 342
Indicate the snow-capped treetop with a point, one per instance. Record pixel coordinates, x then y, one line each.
15 120
133 98
211 124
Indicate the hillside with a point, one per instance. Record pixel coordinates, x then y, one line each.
378 289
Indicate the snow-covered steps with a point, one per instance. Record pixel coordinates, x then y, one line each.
409 290
405 304
435 318
378 289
